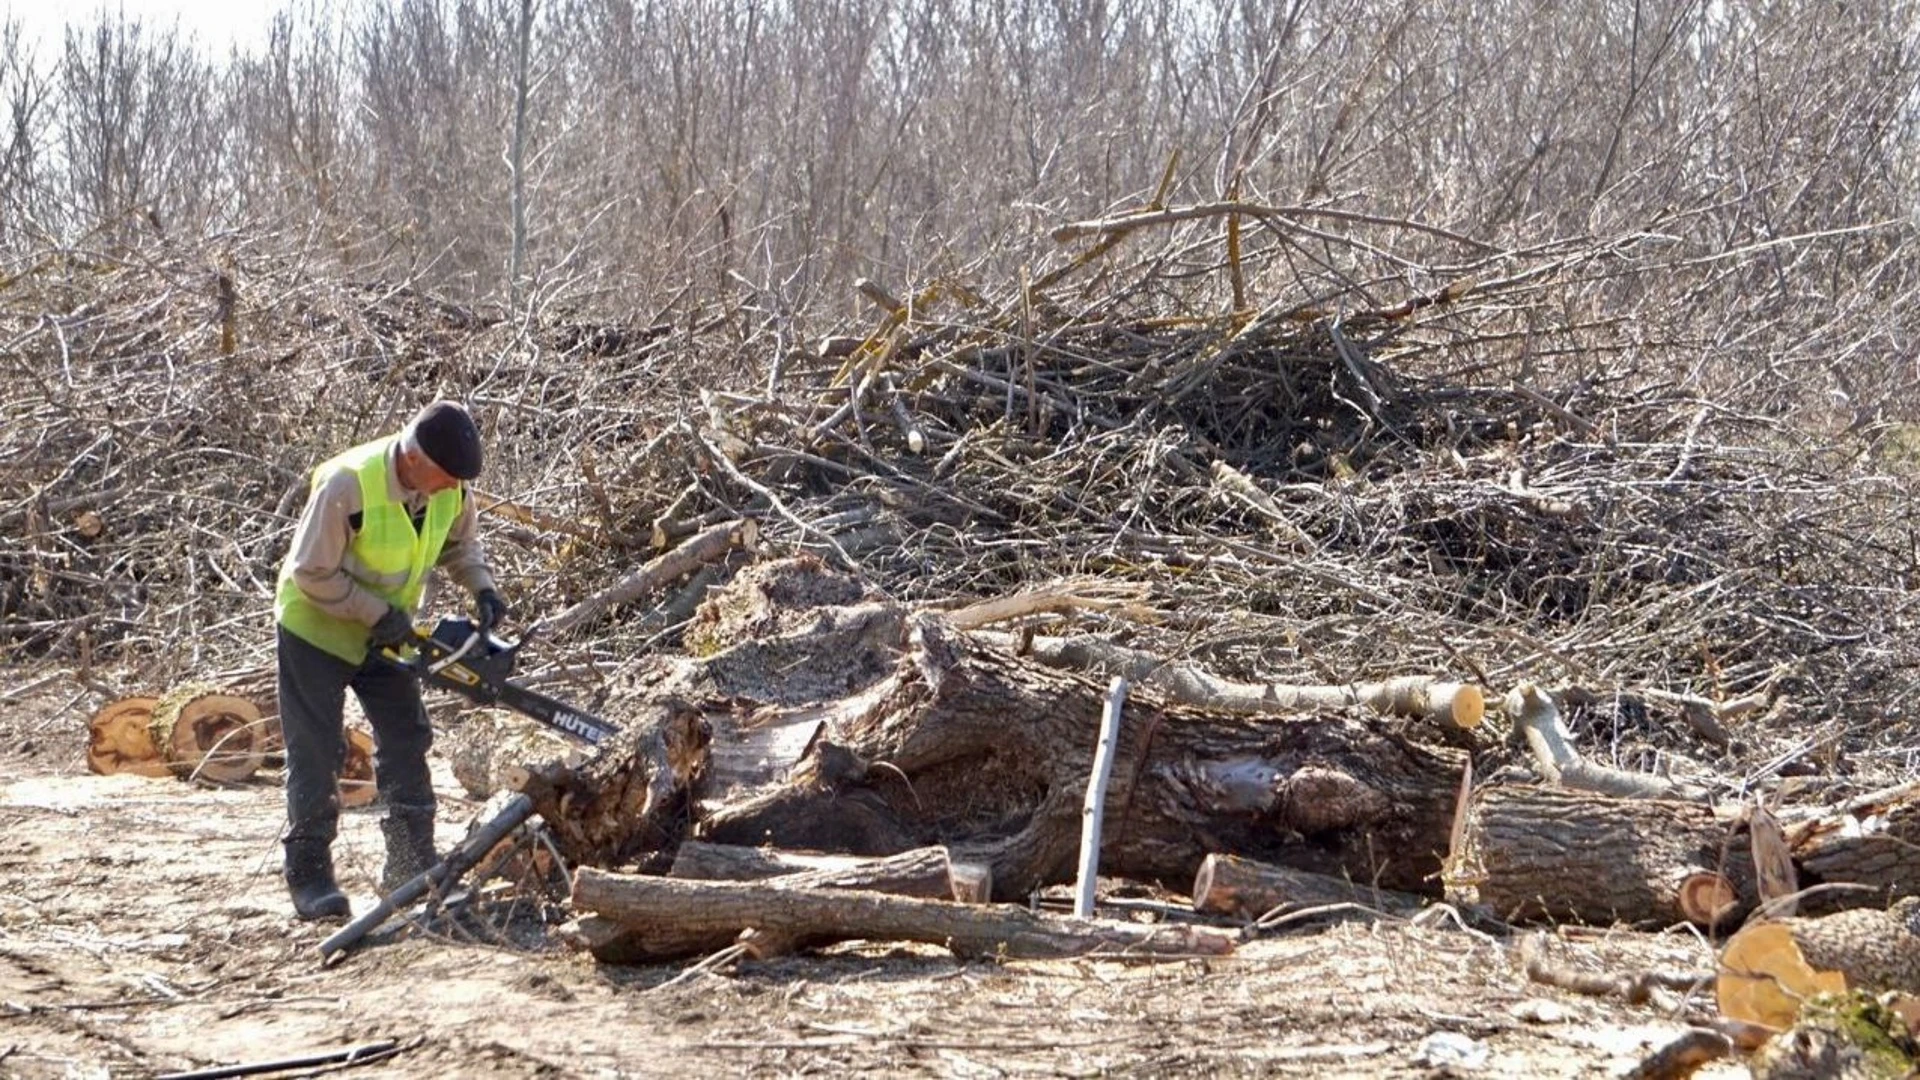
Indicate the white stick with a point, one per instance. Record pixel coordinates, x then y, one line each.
1097 798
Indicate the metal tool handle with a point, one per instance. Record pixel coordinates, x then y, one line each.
440 875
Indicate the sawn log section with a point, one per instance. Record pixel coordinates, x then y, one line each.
1535 853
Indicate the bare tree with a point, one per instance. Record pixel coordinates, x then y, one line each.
289 110
24 119
136 130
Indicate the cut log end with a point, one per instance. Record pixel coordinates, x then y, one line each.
1462 703
1706 898
972 882
1209 894
120 739
1764 977
218 736
356 772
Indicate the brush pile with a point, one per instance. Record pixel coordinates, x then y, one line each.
1312 449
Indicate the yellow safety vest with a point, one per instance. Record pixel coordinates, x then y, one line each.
387 555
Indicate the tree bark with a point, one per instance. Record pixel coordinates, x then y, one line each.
990 754
630 803
713 544
1537 853
1228 885
924 872
664 915
1872 842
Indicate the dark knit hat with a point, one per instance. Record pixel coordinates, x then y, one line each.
444 431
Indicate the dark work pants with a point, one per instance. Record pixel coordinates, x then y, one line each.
313 695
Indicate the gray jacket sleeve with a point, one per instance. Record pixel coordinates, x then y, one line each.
463 558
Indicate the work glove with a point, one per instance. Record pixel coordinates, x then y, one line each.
492 610
392 631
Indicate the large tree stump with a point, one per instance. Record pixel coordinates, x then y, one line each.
989 753
1537 853
667 917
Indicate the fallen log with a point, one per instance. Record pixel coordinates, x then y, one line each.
1837 991
1538 853
697 860
965 745
910 873
1246 889
927 872
1871 845
707 547
920 872
667 913
1459 705
1769 968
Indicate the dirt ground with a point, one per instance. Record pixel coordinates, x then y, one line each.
144 930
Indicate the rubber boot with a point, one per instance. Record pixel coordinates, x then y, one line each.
310 879
410 853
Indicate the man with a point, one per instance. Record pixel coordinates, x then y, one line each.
378 518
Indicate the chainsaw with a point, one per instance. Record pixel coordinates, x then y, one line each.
458 656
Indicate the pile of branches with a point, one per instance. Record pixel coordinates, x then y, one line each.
1473 463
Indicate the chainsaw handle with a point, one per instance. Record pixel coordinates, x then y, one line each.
418 664
453 657
405 661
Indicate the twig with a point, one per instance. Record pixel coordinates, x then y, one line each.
358 1055
779 507
718 960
